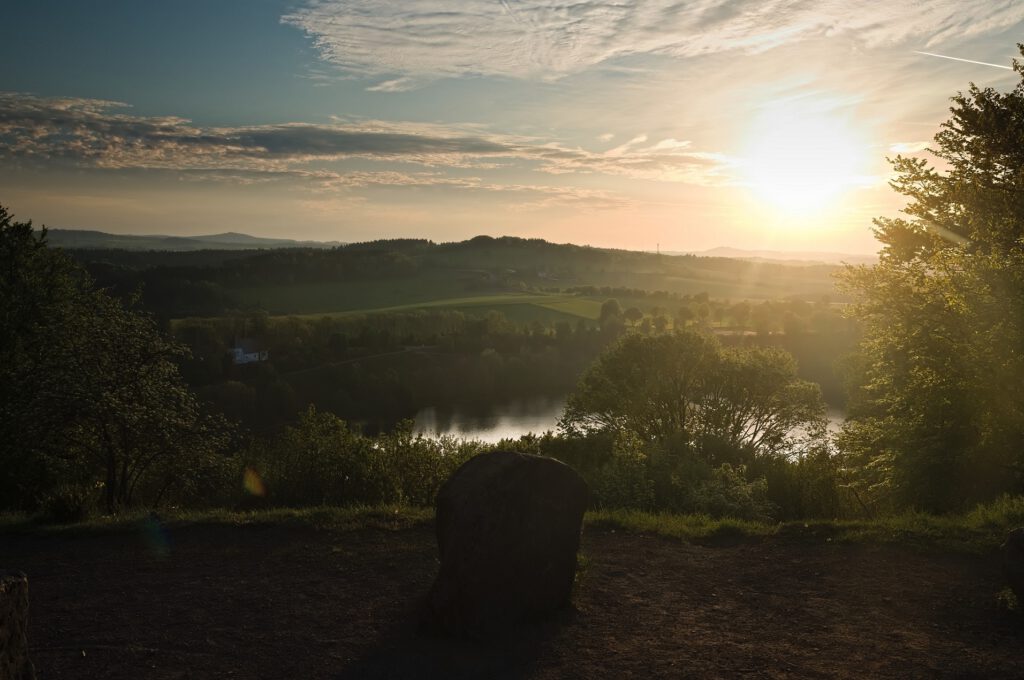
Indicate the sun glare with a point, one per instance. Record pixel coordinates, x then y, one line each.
802 160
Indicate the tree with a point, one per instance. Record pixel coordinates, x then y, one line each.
741 313
684 316
935 422
633 315
36 290
722 403
703 312
610 320
611 311
90 395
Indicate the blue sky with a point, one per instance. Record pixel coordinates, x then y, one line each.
689 125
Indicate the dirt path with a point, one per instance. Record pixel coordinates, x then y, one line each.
286 602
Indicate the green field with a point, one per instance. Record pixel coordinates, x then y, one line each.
519 307
465 290
350 296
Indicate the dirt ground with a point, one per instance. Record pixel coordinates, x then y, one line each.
285 602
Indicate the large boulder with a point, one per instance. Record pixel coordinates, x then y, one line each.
1013 562
508 528
14 661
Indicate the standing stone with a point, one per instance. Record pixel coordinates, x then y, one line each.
508 528
1013 563
14 662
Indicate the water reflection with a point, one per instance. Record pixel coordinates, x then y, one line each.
509 421
517 418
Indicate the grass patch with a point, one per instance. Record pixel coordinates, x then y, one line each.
345 519
584 308
1007 601
314 301
349 296
693 528
978 531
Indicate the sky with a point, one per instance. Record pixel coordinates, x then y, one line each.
679 125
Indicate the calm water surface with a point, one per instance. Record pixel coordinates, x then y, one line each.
509 421
517 418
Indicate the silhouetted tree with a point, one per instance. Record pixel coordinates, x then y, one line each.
687 387
633 315
611 312
741 313
90 396
935 420
684 316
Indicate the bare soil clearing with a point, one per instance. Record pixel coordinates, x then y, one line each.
280 601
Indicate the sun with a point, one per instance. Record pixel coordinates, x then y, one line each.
802 159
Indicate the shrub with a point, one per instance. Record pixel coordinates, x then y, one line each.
727 493
67 504
622 482
321 461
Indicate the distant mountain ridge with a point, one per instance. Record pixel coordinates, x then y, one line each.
785 256
84 239
98 240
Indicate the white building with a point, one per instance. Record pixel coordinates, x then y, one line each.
248 351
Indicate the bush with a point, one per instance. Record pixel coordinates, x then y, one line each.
805 487
727 493
622 482
321 461
67 504
632 474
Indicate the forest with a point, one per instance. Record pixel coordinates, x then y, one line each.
693 385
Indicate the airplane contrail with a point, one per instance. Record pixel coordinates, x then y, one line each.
969 61
508 10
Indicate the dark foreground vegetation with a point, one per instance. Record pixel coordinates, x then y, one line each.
681 400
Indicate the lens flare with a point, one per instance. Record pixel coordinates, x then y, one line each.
155 537
253 483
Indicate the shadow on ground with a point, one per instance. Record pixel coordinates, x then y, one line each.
405 652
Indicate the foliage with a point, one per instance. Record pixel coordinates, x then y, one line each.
935 422
728 405
321 461
90 396
67 504
375 370
697 427
811 485
727 493
623 481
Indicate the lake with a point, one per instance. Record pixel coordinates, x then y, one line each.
509 421
517 418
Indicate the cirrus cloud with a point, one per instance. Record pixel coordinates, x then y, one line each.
93 133
412 42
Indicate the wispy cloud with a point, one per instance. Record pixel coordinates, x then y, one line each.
91 133
412 42
94 132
